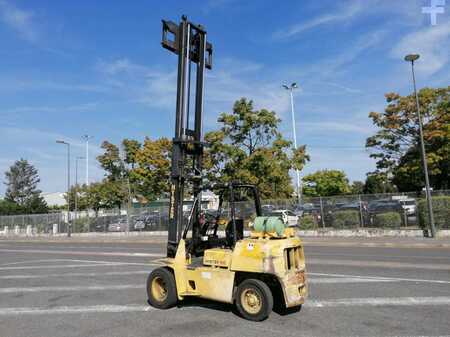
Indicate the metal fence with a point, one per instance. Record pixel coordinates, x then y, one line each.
387 211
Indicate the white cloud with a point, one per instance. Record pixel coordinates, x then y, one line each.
432 43
341 14
19 20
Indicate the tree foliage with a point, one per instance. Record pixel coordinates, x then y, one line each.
151 172
22 179
249 148
325 183
106 194
396 145
146 167
357 187
378 183
111 161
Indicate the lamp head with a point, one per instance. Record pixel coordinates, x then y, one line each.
412 57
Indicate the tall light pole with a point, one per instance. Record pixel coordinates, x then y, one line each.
76 186
291 88
69 229
411 58
86 138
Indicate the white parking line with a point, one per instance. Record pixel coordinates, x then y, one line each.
332 280
111 273
112 264
72 252
74 309
381 278
378 301
312 304
378 264
75 288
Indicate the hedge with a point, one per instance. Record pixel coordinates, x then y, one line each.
388 219
307 222
441 212
346 219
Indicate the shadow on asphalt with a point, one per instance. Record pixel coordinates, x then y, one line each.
192 302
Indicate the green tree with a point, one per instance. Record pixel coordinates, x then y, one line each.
396 147
94 196
249 148
357 187
9 208
131 147
22 179
378 183
325 183
151 173
80 191
113 193
111 161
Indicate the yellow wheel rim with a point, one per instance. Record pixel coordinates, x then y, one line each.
158 289
251 301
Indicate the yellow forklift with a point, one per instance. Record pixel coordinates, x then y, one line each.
208 255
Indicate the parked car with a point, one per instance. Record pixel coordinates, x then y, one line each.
383 206
356 206
266 209
119 226
288 217
297 210
311 209
100 223
409 206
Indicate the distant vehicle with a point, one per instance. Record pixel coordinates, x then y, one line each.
357 205
267 208
311 209
138 224
298 211
383 206
100 224
119 226
288 217
409 205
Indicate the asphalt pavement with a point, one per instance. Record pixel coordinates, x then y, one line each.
86 288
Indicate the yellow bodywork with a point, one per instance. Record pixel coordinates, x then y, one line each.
280 259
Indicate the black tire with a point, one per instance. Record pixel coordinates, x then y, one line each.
163 279
264 298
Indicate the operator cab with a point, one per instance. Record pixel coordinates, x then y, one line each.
222 227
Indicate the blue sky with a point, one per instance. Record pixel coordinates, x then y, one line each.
69 68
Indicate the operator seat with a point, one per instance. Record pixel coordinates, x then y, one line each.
239 232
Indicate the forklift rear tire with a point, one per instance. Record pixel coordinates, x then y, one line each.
254 300
161 289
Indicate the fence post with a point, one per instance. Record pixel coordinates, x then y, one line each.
361 221
322 217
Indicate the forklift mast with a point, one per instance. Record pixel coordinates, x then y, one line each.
188 41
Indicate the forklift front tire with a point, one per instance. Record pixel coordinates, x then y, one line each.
254 300
161 289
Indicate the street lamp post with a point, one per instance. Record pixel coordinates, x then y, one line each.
86 138
411 58
291 88
76 186
69 229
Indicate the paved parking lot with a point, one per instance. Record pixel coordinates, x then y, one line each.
98 289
